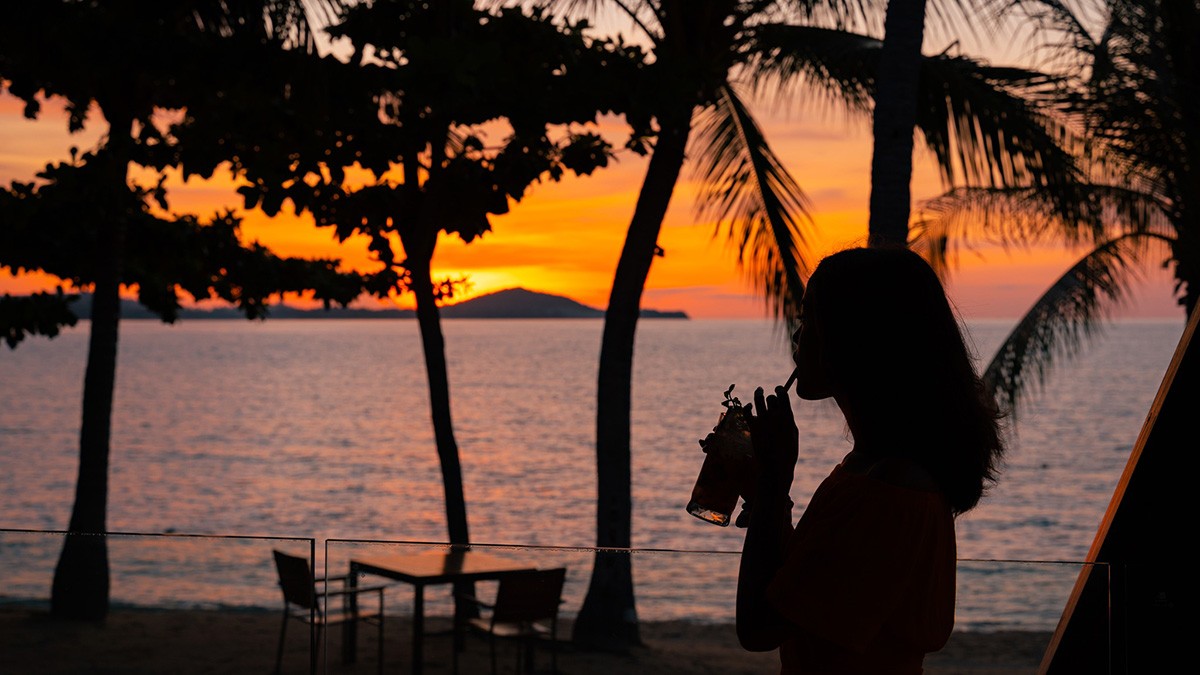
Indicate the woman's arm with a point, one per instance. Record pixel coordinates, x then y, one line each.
759 626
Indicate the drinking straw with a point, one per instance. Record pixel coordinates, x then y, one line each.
791 379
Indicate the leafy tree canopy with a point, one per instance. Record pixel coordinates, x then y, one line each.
140 57
416 110
49 227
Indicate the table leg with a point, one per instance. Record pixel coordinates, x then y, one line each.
350 628
418 627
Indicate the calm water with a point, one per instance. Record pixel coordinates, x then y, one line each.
321 429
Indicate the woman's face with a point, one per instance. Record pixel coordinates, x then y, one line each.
813 380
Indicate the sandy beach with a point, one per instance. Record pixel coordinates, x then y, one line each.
168 641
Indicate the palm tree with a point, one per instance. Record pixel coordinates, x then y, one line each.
977 120
125 84
1137 202
984 125
699 48
893 120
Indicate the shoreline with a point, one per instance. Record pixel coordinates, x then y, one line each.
148 640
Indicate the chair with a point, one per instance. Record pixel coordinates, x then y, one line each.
302 601
525 603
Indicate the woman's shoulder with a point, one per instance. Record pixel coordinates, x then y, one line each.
896 471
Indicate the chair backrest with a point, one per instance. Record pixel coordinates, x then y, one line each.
296 580
529 596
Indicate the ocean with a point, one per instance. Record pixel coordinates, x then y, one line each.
320 429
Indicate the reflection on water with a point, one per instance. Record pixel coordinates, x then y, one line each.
321 429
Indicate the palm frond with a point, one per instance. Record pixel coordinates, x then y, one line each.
1060 27
968 218
752 198
839 14
998 127
292 23
995 215
1141 104
646 15
1066 315
986 125
840 66
955 20
993 125
965 218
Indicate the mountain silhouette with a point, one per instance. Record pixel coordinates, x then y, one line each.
521 303
511 303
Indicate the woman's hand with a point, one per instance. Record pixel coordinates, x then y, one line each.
775 438
776 441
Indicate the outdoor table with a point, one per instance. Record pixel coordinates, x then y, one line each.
421 570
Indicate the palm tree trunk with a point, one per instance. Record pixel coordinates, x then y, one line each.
80 587
895 118
608 618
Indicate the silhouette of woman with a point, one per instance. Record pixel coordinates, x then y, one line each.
864 583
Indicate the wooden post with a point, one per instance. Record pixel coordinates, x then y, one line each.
1132 610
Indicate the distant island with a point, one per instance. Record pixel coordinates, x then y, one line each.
511 303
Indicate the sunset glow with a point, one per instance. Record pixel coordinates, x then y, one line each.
565 237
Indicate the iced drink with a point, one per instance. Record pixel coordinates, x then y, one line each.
728 458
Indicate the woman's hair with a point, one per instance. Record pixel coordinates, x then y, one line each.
899 366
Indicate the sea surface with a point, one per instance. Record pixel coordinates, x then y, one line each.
321 429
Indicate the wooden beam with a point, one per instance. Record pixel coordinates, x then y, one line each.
1132 606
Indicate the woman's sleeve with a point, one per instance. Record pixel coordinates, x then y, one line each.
850 563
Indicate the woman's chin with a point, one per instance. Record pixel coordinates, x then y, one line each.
811 393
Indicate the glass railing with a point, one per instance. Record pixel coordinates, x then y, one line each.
1006 611
199 603
176 603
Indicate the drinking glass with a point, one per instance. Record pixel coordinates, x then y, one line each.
729 455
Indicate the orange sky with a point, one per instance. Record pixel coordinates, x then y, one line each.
565 237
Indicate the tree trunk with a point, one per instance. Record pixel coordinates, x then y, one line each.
1185 250
895 119
80 587
608 618
434 346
